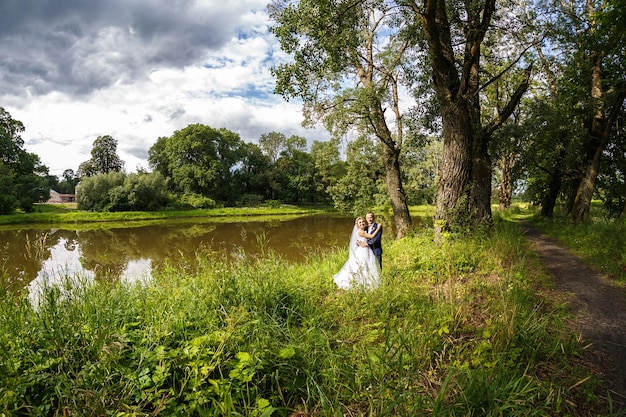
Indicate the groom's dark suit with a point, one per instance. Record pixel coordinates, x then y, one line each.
375 244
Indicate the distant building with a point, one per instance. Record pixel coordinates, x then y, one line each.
58 198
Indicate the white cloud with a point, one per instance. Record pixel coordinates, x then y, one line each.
138 70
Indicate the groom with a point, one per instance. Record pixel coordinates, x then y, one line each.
375 244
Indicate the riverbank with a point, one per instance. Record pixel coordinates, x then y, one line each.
67 213
466 328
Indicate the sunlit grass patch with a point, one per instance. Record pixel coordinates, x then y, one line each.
60 214
600 241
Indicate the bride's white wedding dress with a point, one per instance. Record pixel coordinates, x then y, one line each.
361 270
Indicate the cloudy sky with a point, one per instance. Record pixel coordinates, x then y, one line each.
73 70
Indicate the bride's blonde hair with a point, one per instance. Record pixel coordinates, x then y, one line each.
356 221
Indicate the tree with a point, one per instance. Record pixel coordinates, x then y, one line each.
200 160
421 168
612 178
272 144
454 34
24 180
104 158
117 191
94 192
329 168
584 68
67 183
551 149
296 169
348 70
290 173
252 174
363 185
599 45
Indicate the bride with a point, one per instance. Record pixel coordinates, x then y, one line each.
361 270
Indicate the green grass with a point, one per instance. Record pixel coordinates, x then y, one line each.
461 329
60 214
600 241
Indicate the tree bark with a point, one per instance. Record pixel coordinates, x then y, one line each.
480 197
548 202
506 187
456 164
480 194
464 194
599 136
393 176
401 214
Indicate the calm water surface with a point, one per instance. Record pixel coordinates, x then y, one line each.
33 257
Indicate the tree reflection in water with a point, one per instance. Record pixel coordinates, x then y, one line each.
36 257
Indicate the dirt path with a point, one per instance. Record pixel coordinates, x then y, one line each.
598 305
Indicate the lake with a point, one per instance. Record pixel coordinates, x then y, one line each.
34 256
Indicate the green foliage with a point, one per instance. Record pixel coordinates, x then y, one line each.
599 241
252 175
68 182
611 188
117 191
454 330
249 200
271 203
23 179
104 158
421 167
363 185
199 160
93 193
195 201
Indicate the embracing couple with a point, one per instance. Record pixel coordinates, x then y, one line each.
362 269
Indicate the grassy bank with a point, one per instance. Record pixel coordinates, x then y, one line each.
600 241
463 329
67 213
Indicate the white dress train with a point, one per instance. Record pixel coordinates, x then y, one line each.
361 270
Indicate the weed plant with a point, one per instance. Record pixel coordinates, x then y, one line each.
460 329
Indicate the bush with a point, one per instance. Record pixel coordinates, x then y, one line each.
117 191
94 193
250 200
271 203
197 201
146 192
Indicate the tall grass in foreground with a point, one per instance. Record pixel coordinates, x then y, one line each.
456 330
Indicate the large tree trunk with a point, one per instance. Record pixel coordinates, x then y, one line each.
505 191
456 165
599 135
464 194
480 181
401 214
582 201
393 176
548 202
480 195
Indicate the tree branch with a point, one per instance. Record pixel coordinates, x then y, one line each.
512 104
